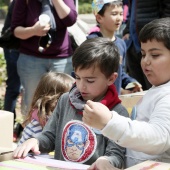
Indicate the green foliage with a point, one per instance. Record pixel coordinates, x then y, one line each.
85 1
4 2
3 9
2 77
1 104
2 69
85 8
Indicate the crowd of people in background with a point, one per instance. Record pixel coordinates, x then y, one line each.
125 47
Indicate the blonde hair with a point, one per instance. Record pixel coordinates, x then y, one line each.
51 86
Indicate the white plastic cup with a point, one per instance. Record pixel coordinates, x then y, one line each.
44 19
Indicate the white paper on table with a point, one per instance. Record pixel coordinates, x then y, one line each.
54 163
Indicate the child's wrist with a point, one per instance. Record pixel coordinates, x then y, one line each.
37 141
107 121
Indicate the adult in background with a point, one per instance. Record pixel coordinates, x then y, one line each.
13 84
43 48
141 12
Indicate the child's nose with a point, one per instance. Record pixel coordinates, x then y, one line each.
119 17
82 86
147 60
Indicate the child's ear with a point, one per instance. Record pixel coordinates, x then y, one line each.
98 18
112 78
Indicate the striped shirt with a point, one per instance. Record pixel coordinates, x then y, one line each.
33 129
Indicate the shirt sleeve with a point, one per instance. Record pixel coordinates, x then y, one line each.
115 154
47 137
152 137
33 129
70 19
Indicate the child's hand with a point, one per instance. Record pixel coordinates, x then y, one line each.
29 145
124 91
133 87
96 114
137 88
102 163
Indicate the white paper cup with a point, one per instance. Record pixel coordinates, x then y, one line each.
44 19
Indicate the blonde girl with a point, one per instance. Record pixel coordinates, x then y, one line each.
51 86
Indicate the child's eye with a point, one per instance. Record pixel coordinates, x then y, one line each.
114 14
90 81
155 55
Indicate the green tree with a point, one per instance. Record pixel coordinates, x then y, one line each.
7 2
3 8
4 2
85 1
85 6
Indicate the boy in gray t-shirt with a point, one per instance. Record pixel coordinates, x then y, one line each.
95 65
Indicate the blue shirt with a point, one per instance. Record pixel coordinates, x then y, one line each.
123 78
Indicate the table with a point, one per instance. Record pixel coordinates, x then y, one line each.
40 163
150 165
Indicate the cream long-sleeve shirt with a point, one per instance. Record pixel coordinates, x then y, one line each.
147 137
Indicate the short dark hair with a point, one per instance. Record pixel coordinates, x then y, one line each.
105 6
158 29
100 52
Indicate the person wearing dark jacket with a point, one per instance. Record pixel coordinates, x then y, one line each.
141 12
13 84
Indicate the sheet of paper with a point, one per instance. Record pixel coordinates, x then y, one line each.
55 163
40 163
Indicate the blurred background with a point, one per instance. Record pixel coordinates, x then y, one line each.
84 11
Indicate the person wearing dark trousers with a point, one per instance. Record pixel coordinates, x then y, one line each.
13 84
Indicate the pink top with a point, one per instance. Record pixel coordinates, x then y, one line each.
34 115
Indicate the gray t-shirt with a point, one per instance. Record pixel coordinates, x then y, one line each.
74 141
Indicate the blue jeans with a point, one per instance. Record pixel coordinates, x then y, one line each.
31 69
13 80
